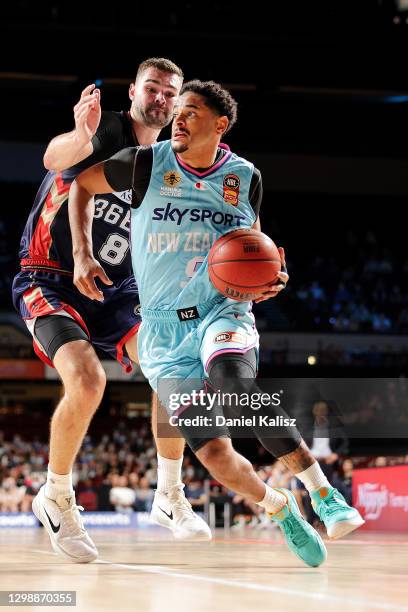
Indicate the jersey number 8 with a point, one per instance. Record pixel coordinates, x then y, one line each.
114 249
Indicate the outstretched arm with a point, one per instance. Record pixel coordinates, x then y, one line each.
69 149
81 208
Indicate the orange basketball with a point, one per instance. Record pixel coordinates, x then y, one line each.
243 263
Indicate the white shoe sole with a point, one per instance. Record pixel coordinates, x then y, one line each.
342 528
158 518
37 510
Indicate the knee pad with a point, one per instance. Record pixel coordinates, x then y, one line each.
235 373
233 370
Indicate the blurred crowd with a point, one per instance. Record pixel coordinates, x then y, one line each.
358 286
118 472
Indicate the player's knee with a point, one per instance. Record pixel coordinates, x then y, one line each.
87 383
215 454
233 375
233 372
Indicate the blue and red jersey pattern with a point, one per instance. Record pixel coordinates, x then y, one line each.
46 243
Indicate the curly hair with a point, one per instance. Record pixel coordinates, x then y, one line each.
216 97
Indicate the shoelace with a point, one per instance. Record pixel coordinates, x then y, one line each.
73 525
298 536
179 501
326 507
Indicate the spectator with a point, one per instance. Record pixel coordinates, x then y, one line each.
11 496
122 497
343 483
143 496
195 494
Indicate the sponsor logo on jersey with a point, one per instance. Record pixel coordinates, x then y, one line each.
172 178
196 215
137 309
170 192
125 196
230 337
113 213
231 189
170 189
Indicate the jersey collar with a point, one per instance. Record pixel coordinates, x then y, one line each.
212 168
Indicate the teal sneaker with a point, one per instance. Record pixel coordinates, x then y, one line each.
301 538
333 510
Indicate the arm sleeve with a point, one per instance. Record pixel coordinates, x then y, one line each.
130 168
108 134
256 191
106 142
119 169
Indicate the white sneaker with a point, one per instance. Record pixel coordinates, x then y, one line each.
172 510
65 528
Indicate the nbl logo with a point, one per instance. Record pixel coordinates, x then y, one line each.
231 181
230 336
231 189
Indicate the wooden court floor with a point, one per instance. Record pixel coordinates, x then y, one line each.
148 571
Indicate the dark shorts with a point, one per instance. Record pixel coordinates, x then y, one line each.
108 324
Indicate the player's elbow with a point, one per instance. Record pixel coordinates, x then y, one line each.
48 161
51 163
83 184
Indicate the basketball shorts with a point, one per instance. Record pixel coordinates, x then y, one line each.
108 324
175 351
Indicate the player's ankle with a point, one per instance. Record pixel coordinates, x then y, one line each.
168 473
58 485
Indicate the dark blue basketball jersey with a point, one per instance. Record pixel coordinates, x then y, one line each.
46 243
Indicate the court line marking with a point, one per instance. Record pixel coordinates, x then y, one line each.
252 586
326 541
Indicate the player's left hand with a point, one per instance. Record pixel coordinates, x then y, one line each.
277 286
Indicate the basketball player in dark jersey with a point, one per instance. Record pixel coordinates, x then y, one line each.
66 326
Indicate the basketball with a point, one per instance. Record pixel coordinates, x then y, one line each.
243 263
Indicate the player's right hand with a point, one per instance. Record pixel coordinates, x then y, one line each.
87 113
86 269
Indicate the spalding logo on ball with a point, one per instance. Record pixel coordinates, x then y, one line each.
242 264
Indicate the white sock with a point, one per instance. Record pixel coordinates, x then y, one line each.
273 500
313 478
59 485
168 473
